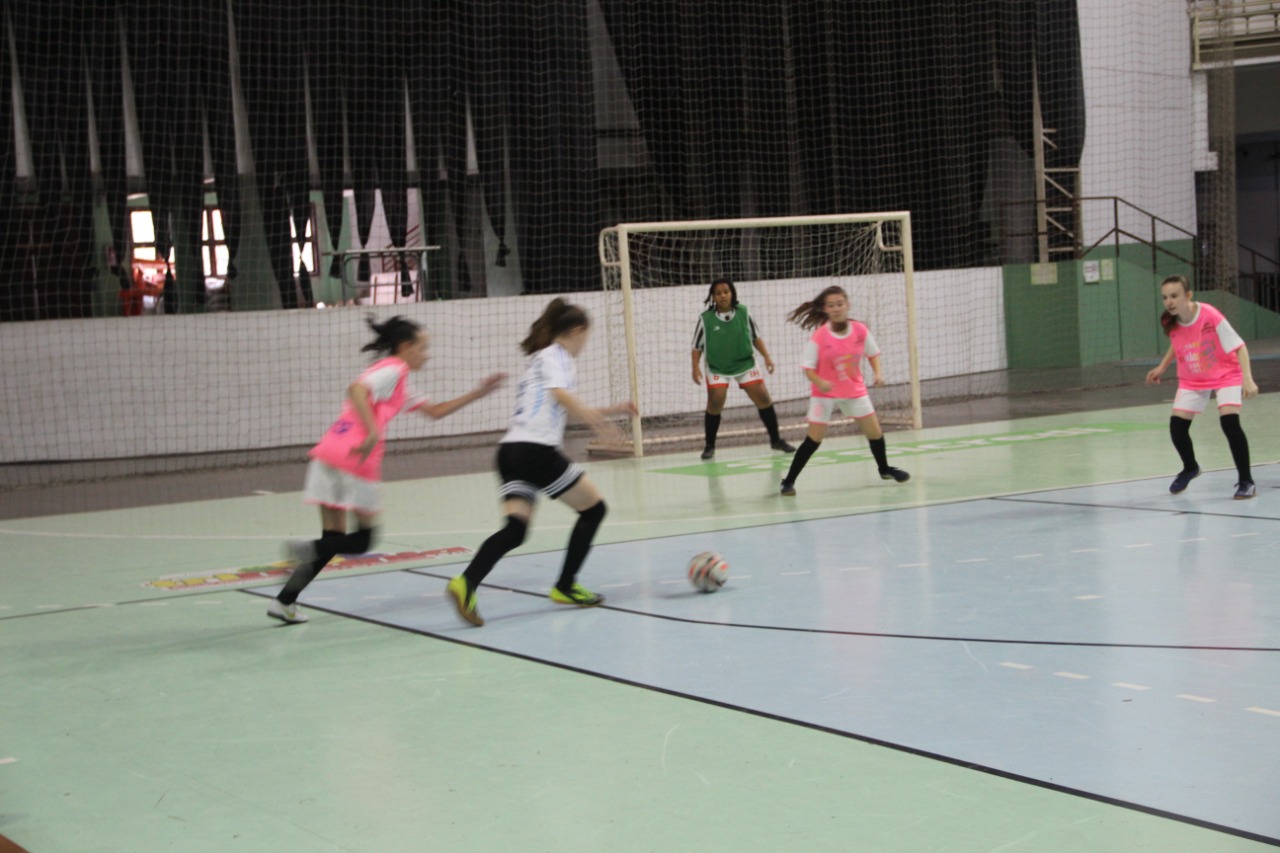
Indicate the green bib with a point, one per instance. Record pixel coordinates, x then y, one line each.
728 343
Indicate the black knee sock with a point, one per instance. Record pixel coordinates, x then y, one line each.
1239 445
711 426
770 417
329 545
878 451
494 549
584 533
806 449
1180 432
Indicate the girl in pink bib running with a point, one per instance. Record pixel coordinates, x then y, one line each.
345 471
1212 360
833 363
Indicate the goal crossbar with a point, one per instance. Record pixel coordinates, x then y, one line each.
615 251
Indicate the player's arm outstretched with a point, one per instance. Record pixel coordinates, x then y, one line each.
592 417
1153 375
487 386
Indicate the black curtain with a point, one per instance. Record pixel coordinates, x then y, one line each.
552 144
894 106
11 286
57 273
272 75
329 48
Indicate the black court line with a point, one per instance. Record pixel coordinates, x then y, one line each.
1168 510
728 706
787 629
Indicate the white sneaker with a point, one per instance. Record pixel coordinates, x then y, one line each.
288 613
300 551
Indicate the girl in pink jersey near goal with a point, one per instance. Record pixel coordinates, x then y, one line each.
833 363
345 471
1212 360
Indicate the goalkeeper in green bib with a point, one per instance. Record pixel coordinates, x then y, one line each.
728 336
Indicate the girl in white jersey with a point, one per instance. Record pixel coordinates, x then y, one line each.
345 471
1212 359
833 363
530 459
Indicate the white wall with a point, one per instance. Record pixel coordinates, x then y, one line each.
1140 137
148 386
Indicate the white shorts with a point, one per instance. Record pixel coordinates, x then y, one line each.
750 377
328 486
1192 401
822 408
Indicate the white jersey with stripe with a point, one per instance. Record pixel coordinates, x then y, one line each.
538 417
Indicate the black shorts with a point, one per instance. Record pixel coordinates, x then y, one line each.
526 468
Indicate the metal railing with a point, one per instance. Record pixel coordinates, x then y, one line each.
1225 30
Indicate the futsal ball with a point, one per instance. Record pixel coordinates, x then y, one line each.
708 571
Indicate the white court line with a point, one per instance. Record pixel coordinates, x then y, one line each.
8 761
1192 698
794 574
262 492
614 585
153 604
1141 545
48 607
671 582
378 597
1242 535
912 565
1083 550
1195 539
856 569
1127 686
1087 597
102 604
1073 675
1267 711
1013 665
1026 556
207 602
322 598
973 560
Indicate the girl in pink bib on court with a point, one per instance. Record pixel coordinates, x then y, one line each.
1212 360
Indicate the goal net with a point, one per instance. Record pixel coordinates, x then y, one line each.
657 278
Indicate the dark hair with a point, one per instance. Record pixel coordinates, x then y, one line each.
1167 319
392 334
557 318
711 292
813 313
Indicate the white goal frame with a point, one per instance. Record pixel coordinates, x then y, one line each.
615 259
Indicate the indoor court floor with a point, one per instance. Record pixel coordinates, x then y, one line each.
1030 646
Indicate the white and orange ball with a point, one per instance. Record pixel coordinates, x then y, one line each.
708 571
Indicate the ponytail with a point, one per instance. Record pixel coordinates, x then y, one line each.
557 318
391 335
811 314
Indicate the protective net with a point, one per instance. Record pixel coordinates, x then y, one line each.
658 279
183 185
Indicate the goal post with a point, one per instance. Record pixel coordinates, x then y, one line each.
656 277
